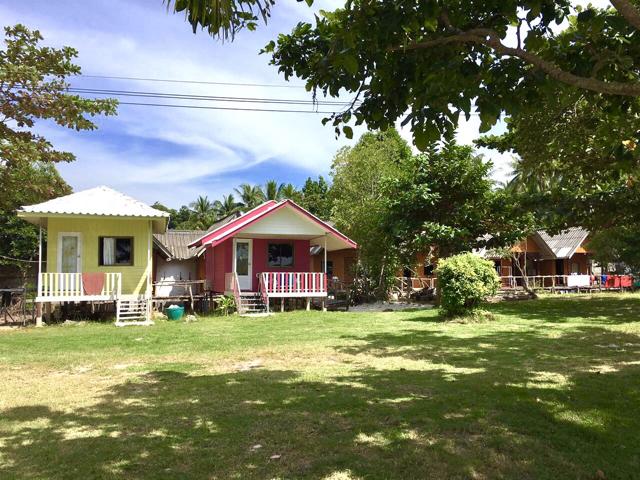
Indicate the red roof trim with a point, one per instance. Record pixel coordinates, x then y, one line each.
254 213
257 213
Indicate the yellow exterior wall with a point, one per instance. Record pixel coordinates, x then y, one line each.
134 277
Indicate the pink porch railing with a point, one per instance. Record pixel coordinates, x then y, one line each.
293 284
231 284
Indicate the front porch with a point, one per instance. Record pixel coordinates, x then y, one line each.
274 285
71 287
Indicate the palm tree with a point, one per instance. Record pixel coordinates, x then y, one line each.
272 190
226 207
203 212
250 196
289 191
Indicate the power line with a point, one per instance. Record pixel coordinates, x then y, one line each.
182 96
197 82
208 107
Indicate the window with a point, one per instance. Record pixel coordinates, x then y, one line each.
329 267
115 251
280 255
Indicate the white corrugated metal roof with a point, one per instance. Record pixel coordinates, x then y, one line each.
564 244
103 201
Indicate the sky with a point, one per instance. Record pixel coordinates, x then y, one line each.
173 155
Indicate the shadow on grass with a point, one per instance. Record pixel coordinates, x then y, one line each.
610 308
424 404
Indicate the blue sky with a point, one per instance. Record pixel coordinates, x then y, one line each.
174 155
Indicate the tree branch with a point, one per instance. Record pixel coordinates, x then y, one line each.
490 38
629 11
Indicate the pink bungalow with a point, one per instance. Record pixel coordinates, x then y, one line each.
265 253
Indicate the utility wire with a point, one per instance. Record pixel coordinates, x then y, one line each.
198 82
208 107
181 96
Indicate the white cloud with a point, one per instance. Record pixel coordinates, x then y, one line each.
144 149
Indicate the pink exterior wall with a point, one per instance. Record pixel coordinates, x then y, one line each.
219 260
301 257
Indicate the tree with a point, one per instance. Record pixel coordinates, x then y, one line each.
272 190
439 59
360 209
290 192
617 245
33 87
223 18
228 206
250 196
446 198
316 197
203 213
25 184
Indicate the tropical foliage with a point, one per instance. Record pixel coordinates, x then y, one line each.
428 62
445 198
316 197
25 184
465 281
33 88
360 209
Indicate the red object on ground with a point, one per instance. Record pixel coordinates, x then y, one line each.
626 281
93 283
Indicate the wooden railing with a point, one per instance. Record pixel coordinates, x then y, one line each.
406 284
61 286
293 284
231 284
568 281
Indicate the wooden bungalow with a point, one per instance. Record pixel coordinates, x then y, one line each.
265 254
99 250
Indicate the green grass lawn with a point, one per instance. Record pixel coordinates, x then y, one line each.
547 389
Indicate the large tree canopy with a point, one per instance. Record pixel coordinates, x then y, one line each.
33 87
438 59
427 61
360 208
446 199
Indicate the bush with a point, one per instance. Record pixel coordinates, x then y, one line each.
465 281
225 305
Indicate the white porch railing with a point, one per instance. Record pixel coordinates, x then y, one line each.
55 286
293 284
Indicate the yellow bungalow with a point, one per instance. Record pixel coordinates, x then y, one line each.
99 249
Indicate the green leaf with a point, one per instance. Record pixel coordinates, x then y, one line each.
348 131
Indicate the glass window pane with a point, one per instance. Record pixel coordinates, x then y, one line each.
280 254
69 254
242 258
273 254
123 251
286 255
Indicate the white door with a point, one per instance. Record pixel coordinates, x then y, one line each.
69 253
242 255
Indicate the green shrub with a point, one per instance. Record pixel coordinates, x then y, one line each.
225 305
465 281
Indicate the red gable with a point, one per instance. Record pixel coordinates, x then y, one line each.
224 232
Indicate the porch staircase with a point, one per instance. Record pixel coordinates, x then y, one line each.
133 311
251 303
